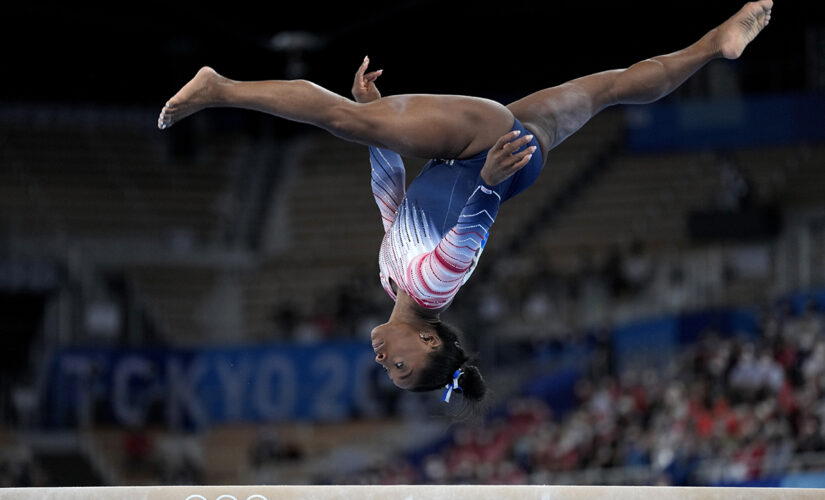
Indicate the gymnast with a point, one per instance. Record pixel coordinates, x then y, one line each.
481 153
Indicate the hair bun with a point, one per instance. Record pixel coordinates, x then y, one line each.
472 383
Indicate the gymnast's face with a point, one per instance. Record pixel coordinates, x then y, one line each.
403 350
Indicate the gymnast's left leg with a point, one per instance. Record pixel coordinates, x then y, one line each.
554 114
423 126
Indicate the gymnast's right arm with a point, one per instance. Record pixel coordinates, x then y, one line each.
504 158
439 274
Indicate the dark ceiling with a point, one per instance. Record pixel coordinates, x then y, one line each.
140 53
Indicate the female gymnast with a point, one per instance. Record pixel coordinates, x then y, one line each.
482 152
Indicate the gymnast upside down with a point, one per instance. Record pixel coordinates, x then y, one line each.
482 154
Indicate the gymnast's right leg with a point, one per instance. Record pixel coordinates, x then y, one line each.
555 113
424 126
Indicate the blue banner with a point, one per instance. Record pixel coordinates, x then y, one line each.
196 388
653 342
644 344
726 123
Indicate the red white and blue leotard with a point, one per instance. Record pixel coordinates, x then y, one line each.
436 230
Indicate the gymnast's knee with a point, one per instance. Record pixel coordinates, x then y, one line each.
351 121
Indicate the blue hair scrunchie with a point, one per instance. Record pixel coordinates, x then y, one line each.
453 386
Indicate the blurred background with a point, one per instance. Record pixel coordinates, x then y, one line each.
194 305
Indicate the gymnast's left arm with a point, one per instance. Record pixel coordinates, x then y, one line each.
363 87
388 173
388 182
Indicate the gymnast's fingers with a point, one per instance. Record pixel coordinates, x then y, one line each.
504 140
521 142
371 77
517 144
359 84
359 75
364 64
523 157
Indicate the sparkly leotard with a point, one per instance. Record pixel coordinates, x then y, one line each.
436 230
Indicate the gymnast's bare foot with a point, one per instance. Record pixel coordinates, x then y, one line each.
200 92
737 32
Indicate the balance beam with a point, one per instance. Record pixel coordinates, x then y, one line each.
464 492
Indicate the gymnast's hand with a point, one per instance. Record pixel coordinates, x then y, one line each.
503 160
363 88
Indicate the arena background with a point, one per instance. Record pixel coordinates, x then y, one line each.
193 305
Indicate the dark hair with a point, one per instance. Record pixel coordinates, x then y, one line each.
445 361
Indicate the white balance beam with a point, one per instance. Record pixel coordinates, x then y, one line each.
463 492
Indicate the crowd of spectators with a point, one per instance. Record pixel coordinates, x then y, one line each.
729 409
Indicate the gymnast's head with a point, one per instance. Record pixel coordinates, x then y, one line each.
427 359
